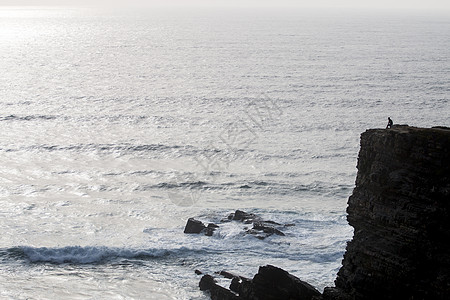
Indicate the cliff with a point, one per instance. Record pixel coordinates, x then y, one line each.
400 211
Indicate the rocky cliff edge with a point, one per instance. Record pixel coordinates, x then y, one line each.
400 211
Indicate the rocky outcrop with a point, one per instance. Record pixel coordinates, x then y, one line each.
270 283
261 228
196 226
400 211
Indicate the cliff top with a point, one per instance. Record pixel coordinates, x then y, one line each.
416 130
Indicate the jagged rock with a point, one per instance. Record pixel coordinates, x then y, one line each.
235 283
228 274
244 217
275 283
271 283
400 211
330 293
267 228
209 230
207 282
261 228
194 226
217 292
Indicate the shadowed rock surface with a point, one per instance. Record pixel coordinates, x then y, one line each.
400 213
270 283
194 226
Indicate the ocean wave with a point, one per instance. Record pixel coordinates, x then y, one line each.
171 185
86 255
101 148
250 187
28 118
85 118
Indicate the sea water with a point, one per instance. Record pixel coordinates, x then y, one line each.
118 126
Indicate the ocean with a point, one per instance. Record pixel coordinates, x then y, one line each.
118 126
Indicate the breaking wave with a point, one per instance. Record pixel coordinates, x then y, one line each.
86 255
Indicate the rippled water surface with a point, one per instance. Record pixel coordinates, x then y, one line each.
117 127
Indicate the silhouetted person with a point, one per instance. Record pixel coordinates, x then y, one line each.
390 123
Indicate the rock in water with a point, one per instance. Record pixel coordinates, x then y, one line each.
275 283
217 292
209 230
207 283
267 227
194 226
400 211
261 228
242 216
271 283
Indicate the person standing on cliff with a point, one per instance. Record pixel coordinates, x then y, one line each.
390 123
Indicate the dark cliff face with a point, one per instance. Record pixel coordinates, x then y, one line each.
400 211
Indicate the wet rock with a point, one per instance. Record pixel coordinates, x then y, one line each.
207 283
194 226
241 286
264 229
217 292
267 227
261 228
209 230
275 283
228 274
271 283
244 217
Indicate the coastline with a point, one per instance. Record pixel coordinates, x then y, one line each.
399 209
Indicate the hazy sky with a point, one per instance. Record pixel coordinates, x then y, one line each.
378 4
